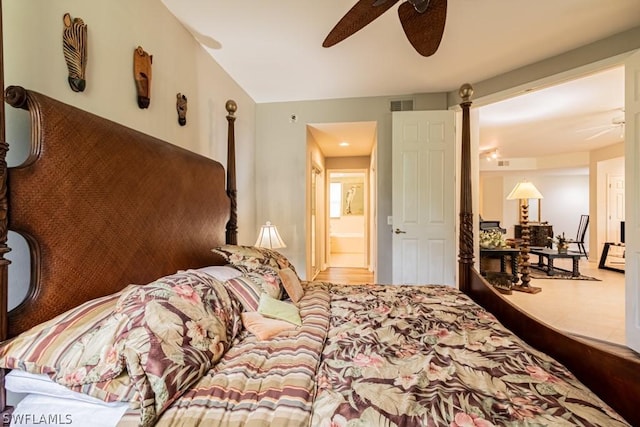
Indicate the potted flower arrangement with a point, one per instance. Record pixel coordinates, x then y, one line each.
562 243
491 239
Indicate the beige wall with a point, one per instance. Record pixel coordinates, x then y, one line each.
361 162
491 197
33 58
281 148
547 71
283 142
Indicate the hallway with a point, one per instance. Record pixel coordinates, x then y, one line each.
347 275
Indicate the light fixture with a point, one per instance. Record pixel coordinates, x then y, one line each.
524 191
344 144
269 237
490 155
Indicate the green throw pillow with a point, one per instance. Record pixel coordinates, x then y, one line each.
276 309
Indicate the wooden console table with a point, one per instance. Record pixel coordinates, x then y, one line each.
550 255
502 254
539 234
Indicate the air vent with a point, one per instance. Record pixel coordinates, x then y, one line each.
503 162
402 105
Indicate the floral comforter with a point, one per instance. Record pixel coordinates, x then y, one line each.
429 356
369 355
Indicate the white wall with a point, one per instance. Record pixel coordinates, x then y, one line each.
281 148
33 58
566 197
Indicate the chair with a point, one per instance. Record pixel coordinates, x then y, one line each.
582 231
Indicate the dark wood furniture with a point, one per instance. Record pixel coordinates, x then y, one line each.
605 254
552 254
146 201
580 235
503 254
491 225
539 234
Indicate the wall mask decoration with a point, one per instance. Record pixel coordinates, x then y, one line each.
142 75
181 107
74 47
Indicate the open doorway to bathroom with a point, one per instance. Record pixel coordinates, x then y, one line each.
348 218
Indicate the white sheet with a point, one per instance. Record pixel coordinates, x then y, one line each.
19 381
38 410
48 403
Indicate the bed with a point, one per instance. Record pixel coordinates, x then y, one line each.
143 305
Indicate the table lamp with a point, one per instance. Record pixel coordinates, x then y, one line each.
269 237
524 191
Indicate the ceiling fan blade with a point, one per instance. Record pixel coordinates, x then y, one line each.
424 30
592 128
361 14
597 134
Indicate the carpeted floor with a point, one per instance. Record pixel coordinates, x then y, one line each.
559 273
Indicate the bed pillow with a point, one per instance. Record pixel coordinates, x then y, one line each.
155 342
263 327
252 257
46 346
261 262
291 284
221 272
248 288
276 309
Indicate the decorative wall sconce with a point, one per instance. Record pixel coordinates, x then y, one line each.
142 74
181 107
74 48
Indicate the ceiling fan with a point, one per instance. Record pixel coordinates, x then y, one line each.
422 21
616 123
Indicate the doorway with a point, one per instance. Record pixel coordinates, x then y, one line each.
344 238
348 219
573 180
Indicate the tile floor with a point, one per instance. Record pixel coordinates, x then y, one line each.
583 307
590 308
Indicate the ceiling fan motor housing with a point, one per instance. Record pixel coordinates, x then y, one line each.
420 5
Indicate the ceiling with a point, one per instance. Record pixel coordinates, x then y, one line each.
344 139
273 49
576 116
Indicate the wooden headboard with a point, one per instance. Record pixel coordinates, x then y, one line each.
102 206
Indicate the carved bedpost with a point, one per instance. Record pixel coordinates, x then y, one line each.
4 263
466 207
232 225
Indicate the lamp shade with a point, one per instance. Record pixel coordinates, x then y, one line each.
524 190
269 237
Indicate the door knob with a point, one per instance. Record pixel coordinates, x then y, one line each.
398 231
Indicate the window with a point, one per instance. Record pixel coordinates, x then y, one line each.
335 199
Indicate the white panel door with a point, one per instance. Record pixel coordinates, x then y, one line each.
424 197
632 183
615 207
